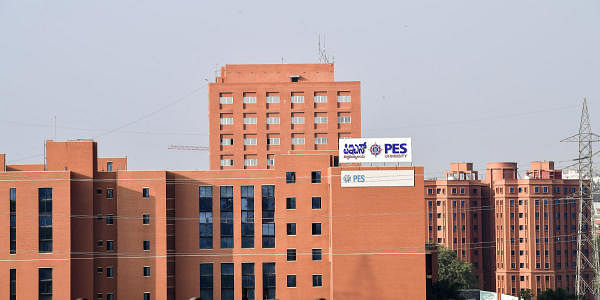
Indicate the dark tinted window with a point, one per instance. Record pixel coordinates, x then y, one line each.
290 177
316 202
315 177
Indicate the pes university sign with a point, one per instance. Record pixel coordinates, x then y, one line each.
364 178
375 150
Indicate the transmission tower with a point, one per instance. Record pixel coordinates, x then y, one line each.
587 277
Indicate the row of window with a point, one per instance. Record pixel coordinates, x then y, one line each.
248 281
272 120
454 191
253 141
44 284
110 192
226 98
205 216
537 190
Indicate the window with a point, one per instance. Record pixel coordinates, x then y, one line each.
247 281
109 220
290 203
272 120
247 202
250 141
109 166
226 100
227 281
13 220
109 193
297 120
146 245
320 99
45 284
205 217
109 272
226 141
13 284
290 177
291 280
206 281
297 140
248 100
268 216
344 119
110 245
226 121
297 99
45 221
291 254
321 140
146 271
269 285
145 219
272 99
110 297
320 120
316 228
99 191
273 141
291 228
250 162
226 205
249 120
316 202
146 295
315 177
344 98
99 270
430 191
317 280
226 162
270 160
317 254
145 192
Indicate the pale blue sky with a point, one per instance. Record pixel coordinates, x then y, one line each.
471 81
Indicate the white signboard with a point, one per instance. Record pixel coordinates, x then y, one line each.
365 178
375 150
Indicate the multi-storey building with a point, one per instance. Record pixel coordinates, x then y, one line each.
86 227
455 215
257 111
517 233
536 228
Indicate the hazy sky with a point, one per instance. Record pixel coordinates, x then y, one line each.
467 80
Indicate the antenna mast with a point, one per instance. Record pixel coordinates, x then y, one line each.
322 52
588 268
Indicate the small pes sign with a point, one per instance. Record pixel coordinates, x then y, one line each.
375 150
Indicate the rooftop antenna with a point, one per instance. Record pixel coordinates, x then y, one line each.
322 52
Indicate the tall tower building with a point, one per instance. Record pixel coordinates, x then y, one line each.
455 215
535 228
257 111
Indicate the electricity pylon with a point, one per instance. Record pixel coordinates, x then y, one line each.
587 277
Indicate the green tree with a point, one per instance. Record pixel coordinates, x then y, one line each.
456 272
526 294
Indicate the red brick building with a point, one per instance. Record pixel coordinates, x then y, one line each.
250 229
517 233
290 232
257 111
